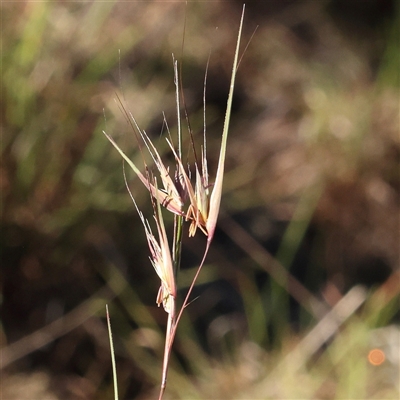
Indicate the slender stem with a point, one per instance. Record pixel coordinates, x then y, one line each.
176 252
189 292
173 321
177 244
170 333
178 219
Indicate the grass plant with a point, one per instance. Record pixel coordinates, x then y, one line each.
203 209
298 297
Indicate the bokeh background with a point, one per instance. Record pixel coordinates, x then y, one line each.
299 295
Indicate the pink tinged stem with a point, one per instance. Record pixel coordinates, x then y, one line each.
170 334
189 292
173 321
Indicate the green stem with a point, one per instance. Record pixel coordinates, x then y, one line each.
178 219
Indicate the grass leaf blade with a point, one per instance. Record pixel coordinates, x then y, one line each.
114 366
215 199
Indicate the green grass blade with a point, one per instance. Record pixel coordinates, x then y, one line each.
215 199
114 367
126 158
178 219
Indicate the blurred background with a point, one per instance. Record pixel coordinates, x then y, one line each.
300 292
